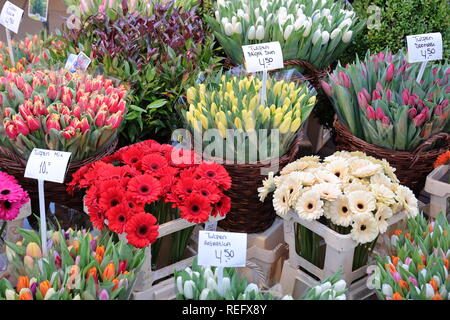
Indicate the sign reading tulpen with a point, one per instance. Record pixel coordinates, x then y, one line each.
424 47
263 57
222 249
47 165
11 16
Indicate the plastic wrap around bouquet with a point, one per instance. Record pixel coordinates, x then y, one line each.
315 32
146 184
79 266
384 112
351 193
248 135
419 265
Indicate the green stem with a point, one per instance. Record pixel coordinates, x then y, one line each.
2 230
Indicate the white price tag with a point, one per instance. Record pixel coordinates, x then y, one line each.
424 47
263 57
11 16
222 249
47 165
210 226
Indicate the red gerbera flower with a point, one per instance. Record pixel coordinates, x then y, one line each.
184 187
222 207
97 217
145 188
132 204
132 157
111 198
118 216
208 190
141 230
215 173
152 163
105 185
195 209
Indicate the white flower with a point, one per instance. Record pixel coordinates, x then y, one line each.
204 294
408 200
363 168
355 186
257 13
234 20
237 28
361 202
335 33
381 178
387 290
346 22
429 291
240 13
224 21
383 193
364 228
382 216
294 166
77 297
300 12
208 273
325 12
251 33
309 206
10 294
394 240
251 287
347 37
217 14
316 36
288 31
341 297
223 289
307 25
211 284
299 22
328 191
281 200
340 285
49 294
259 35
282 15
307 178
260 21
228 29
324 176
325 37
288 297
325 286
188 289
339 168
221 3
339 212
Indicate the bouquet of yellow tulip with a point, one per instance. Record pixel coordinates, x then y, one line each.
232 106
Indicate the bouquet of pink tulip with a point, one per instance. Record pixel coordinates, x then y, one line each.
59 111
379 100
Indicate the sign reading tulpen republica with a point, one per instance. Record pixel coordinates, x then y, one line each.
222 249
424 47
263 56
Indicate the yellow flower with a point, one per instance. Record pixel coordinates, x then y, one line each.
298 114
312 100
253 103
300 99
191 94
273 108
295 125
277 87
249 124
229 88
266 114
285 126
220 116
204 121
277 119
213 109
238 123
222 129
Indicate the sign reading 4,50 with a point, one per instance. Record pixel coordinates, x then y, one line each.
266 62
226 254
427 53
43 168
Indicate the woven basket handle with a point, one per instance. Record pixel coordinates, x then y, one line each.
429 142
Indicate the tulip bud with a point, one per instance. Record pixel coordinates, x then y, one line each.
20 82
53 123
260 33
103 295
180 285
100 119
33 123
49 294
66 99
114 120
367 95
379 114
228 28
203 294
347 37
69 132
379 87
33 250
327 88
419 120
22 283
109 272
28 261
316 36
288 31
25 294
307 31
344 79
390 72
285 125
123 266
22 128
385 121
188 289
370 113
405 96
223 289
375 95
44 287
10 294
325 37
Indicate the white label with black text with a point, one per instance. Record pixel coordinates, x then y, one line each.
11 16
47 165
222 249
424 47
263 56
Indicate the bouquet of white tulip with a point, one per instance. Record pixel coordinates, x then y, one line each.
316 31
332 288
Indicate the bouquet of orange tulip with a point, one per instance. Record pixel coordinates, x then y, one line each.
78 267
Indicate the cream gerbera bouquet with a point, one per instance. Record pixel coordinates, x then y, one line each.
350 192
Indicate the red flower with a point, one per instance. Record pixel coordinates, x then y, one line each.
141 230
132 204
111 198
97 217
132 157
118 217
152 163
222 207
195 209
208 190
215 173
184 187
145 188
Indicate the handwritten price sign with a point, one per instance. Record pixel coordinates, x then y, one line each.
222 249
11 16
424 47
47 165
263 57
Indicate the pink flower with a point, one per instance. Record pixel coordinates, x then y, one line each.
33 123
362 101
388 95
69 132
375 95
390 72
370 113
419 120
326 88
11 131
53 123
412 112
444 103
413 281
100 118
379 87
84 125
344 78
396 276
114 120
379 114
22 127
385 121
366 94
405 96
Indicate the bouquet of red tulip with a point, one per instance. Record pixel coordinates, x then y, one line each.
79 266
379 100
149 183
59 111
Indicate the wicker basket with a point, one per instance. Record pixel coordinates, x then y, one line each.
248 214
412 167
54 192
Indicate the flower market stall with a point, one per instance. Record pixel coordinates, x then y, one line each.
187 136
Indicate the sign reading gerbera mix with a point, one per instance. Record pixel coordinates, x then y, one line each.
146 184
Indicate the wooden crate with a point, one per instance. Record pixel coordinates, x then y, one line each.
438 190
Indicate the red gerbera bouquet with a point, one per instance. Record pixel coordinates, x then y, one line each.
148 183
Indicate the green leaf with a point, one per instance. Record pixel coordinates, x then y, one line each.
157 104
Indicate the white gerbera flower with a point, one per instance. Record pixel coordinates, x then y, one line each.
294 166
309 206
339 211
362 168
382 216
281 200
364 228
339 168
293 183
355 186
307 178
268 187
407 200
381 178
324 176
361 202
328 191
382 193
315 159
